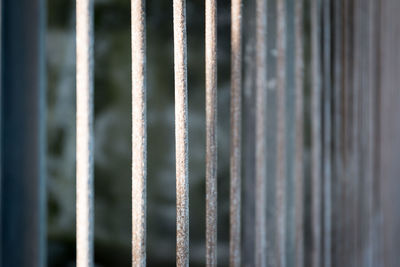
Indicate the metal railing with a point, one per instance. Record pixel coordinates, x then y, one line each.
318 177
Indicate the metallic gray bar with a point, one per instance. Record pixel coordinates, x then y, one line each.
327 133
316 134
299 139
181 134
211 132
281 135
84 133
139 135
236 135
261 160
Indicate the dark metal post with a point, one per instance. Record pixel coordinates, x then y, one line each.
22 133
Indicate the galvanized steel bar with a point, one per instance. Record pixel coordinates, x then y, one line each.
315 135
181 134
281 135
327 176
139 136
260 146
211 132
84 133
299 140
236 137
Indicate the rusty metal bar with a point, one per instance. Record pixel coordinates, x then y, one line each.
261 94
211 132
315 135
139 136
181 134
299 140
281 135
236 137
84 133
327 176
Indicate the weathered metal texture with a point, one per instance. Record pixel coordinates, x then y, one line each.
23 133
211 132
84 133
299 140
260 146
281 171
236 137
315 134
181 134
139 136
327 132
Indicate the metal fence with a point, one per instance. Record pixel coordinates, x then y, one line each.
314 133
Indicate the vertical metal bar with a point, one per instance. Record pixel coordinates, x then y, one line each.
248 123
373 9
84 133
211 132
181 134
299 124
327 132
23 133
337 167
315 135
261 94
236 125
281 135
347 76
139 135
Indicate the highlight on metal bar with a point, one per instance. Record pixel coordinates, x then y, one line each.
139 136
261 101
236 137
211 132
181 134
299 143
281 135
84 133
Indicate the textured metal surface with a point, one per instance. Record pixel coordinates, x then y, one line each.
181 134
139 135
299 140
260 146
281 171
84 133
211 132
236 124
315 134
